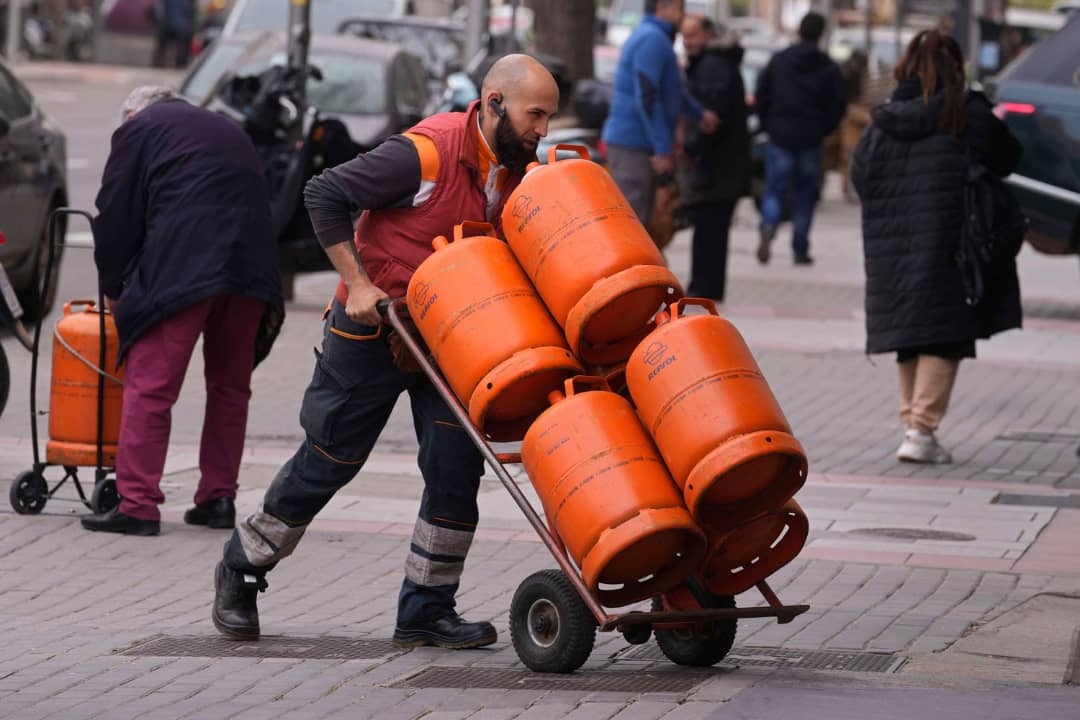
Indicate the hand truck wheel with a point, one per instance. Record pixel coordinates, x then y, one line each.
104 496
637 634
702 644
29 492
551 628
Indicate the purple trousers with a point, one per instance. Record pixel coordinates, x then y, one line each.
153 373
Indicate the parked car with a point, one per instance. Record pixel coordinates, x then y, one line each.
375 89
326 15
33 181
1038 97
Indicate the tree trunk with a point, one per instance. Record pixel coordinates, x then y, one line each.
565 28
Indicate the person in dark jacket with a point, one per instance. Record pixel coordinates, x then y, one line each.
175 24
715 171
184 248
910 170
800 99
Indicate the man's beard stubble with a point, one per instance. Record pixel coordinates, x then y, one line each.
510 149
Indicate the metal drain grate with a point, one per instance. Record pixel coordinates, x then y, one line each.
679 680
848 661
311 648
1037 436
1058 501
913 534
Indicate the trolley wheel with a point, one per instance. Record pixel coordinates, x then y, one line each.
551 628
104 496
29 493
637 634
700 645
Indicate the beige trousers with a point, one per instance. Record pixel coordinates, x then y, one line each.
926 383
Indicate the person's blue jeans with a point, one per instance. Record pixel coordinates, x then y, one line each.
783 168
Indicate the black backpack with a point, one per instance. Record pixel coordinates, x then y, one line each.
992 233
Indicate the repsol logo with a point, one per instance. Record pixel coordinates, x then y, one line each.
528 218
423 299
669 360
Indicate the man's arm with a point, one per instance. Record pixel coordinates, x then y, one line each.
120 225
391 175
648 69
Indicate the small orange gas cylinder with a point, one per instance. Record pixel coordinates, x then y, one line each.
711 412
743 557
607 495
73 397
588 255
491 335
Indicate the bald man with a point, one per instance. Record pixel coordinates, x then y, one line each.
413 187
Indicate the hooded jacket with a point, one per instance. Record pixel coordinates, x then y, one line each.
800 97
910 176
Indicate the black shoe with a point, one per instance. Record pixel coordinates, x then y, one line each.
115 521
765 237
220 513
804 260
236 614
449 631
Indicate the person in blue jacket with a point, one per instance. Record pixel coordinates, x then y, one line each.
648 99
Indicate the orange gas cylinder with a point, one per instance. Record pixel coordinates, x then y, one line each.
589 256
745 556
607 495
73 398
491 335
711 412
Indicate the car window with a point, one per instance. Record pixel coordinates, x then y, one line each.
408 92
351 84
1054 61
15 102
326 15
217 60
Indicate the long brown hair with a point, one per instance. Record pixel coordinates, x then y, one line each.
936 59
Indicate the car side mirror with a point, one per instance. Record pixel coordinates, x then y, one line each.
5 126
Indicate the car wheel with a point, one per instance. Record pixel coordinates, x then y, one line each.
34 306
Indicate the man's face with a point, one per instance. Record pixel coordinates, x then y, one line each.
693 36
519 132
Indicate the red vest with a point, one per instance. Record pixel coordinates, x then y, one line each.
393 242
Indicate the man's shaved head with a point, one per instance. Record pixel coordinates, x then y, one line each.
517 98
519 75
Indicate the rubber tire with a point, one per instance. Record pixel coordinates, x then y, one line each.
575 629
33 308
699 649
5 380
28 493
104 496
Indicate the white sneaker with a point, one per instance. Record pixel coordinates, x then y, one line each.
922 447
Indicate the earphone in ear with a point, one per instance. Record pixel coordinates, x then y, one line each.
499 110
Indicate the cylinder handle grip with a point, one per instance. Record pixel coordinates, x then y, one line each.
675 309
91 305
581 150
473 227
579 383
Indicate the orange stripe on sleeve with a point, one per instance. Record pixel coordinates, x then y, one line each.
429 156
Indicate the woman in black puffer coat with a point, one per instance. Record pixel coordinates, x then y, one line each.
910 169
